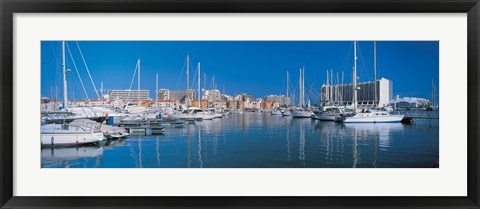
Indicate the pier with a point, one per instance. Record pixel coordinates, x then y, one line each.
411 115
142 127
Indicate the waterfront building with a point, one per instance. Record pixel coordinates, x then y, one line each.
235 104
242 97
226 97
163 94
267 104
181 96
276 104
342 94
212 95
147 103
282 99
251 103
231 104
409 103
240 105
128 94
219 104
203 103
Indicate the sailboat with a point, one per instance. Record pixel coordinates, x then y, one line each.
277 111
367 116
300 112
68 135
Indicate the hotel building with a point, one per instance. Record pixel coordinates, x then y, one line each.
136 95
343 94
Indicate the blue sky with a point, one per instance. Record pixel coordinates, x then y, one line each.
254 67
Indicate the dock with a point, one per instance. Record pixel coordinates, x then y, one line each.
411 115
143 127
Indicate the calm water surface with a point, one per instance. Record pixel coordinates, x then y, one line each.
259 140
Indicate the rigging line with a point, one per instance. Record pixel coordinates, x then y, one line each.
55 55
180 77
133 78
76 70
88 71
194 83
57 70
346 57
364 65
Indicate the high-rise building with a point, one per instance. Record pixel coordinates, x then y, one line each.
181 95
163 94
343 94
212 95
135 95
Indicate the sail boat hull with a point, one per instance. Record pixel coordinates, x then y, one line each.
301 114
373 118
56 135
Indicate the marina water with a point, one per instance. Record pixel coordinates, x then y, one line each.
261 140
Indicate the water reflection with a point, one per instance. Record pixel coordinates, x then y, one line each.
258 140
66 156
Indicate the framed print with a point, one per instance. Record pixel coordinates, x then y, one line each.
260 104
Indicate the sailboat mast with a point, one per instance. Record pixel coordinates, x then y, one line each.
188 78
138 84
341 91
327 90
355 75
300 83
375 73
198 84
331 88
287 90
303 85
156 88
65 96
337 97
300 87
188 71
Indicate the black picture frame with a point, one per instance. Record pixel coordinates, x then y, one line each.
10 7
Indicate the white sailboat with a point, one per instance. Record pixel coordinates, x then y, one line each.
300 112
367 116
277 111
68 135
373 116
287 112
205 115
